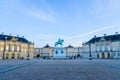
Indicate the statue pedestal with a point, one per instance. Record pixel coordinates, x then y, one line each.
59 53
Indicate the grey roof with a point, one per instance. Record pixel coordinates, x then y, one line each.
107 38
47 46
9 37
69 46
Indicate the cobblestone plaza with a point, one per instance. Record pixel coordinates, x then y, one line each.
39 69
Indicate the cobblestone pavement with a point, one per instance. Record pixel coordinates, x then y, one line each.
60 69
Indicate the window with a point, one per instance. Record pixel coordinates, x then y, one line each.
18 55
15 48
98 48
103 48
118 54
114 54
108 48
9 47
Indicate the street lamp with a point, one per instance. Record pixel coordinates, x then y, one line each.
90 56
28 51
79 52
4 48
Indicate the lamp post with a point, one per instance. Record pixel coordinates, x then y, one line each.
4 48
79 52
28 51
90 56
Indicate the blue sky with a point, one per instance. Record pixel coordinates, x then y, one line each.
44 21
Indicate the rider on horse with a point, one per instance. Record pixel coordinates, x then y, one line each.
60 41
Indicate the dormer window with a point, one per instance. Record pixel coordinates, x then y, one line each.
14 39
102 40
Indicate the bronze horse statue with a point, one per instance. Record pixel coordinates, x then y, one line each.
60 41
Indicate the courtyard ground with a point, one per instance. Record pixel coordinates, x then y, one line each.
81 69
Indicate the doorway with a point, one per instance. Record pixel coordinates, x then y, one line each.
108 55
13 55
97 56
7 56
103 56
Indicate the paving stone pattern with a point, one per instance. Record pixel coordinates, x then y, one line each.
81 69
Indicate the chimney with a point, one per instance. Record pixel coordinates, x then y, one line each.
82 43
2 33
17 35
94 36
116 33
104 35
10 34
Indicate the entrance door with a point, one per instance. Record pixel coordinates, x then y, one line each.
7 56
103 56
18 56
97 55
13 55
38 55
108 55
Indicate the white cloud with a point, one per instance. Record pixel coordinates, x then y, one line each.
41 15
91 32
41 12
44 39
104 8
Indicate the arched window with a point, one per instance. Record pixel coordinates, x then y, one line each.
7 56
13 55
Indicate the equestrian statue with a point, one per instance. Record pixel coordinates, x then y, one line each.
59 42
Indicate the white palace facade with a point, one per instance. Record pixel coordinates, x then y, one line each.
15 47
47 51
104 47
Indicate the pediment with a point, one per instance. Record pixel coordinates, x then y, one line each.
14 39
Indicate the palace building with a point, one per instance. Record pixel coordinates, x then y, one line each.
15 47
58 51
48 51
104 47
